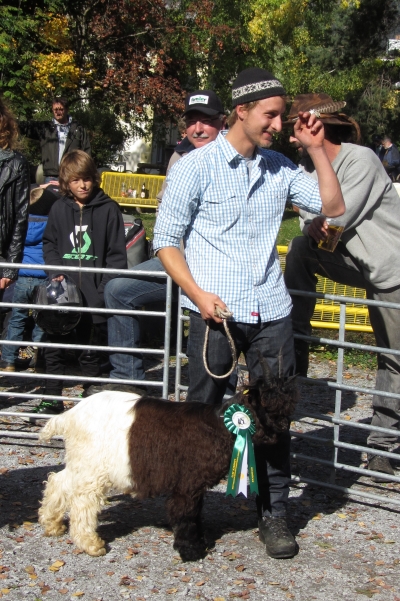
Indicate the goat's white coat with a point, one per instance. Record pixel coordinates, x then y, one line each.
97 459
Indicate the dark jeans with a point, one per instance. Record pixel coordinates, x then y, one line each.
124 330
271 339
89 361
23 293
303 261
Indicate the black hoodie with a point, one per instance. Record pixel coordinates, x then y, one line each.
88 236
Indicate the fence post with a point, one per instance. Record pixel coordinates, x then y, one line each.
338 394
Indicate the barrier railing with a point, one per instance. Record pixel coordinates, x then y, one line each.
327 311
336 420
21 375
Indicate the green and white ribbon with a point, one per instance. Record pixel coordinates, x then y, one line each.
239 421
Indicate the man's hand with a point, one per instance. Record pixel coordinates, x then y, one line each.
206 303
5 283
309 131
318 228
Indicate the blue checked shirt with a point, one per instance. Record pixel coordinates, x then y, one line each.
229 225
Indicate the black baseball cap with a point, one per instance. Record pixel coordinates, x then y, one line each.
203 101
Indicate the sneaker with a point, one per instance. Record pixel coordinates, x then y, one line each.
7 366
44 408
141 390
377 463
279 541
93 389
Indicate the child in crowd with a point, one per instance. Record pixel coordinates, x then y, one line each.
85 229
41 201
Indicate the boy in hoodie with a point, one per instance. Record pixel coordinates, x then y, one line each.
41 201
85 229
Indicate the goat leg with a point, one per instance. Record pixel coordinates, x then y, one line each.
185 517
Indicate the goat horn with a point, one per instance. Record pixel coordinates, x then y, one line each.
266 370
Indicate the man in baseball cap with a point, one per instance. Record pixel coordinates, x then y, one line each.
205 118
227 200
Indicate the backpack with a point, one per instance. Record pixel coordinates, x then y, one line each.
137 246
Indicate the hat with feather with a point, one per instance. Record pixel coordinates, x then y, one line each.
322 106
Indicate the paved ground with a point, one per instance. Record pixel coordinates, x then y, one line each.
349 549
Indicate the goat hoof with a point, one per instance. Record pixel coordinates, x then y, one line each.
190 552
96 552
57 530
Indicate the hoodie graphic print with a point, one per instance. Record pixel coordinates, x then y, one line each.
88 236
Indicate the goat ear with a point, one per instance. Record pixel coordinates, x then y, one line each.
268 376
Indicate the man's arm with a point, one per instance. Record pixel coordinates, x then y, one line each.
310 133
175 265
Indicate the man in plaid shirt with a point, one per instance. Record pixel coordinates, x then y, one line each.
226 201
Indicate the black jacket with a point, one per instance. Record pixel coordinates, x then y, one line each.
14 205
46 133
91 236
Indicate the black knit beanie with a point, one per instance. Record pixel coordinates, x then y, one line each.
43 204
255 84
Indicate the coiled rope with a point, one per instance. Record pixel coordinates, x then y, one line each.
224 315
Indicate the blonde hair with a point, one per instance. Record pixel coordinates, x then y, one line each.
35 194
75 165
233 117
8 128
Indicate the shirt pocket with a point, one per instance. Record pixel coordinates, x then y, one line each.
221 208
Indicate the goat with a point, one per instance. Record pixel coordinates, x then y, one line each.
151 447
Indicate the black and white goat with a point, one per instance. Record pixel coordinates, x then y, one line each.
151 447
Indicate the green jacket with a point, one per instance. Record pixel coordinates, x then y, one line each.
46 133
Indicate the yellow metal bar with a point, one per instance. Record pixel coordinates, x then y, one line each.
125 188
327 311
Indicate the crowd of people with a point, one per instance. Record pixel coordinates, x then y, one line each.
219 215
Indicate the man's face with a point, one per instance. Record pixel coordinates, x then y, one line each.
60 112
263 121
202 129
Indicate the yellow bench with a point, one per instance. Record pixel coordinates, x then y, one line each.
117 184
326 314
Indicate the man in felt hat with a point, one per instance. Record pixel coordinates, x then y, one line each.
367 255
205 118
227 200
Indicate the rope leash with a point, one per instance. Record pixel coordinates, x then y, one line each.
224 315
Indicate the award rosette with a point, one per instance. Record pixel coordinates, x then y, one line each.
239 421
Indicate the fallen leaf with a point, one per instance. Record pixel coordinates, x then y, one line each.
380 562
365 591
45 589
200 583
240 568
171 591
219 599
56 565
342 516
185 579
77 594
63 591
274 583
110 573
30 569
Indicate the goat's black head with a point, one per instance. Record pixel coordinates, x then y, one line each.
272 401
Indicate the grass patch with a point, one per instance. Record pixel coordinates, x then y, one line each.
352 357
